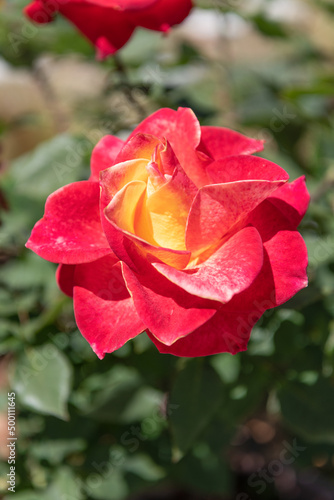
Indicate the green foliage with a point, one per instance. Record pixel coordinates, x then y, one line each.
42 380
197 393
308 408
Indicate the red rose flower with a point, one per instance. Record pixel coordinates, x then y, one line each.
109 24
180 232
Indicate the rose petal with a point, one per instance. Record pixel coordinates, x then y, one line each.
113 179
103 308
135 251
163 14
139 146
225 332
288 259
123 207
104 155
65 278
70 231
163 217
98 23
168 311
182 130
292 200
283 274
243 167
37 12
218 142
109 24
123 5
219 207
229 271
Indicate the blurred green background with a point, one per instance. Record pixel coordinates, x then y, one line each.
140 425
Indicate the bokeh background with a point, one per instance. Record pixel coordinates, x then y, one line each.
140 425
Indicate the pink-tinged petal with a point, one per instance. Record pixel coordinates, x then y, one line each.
226 331
70 231
168 311
104 155
139 146
135 251
292 200
219 207
163 14
229 271
103 308
218 142
243 167
39 13
182 130
65 278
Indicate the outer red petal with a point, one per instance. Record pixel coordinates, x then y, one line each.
163 14
104 155
288 259
123 5
244 167
218 142
292 200
108 29
103 308
70 231
37 12
229 271
285 261
65 278
109 24
168 311
226 331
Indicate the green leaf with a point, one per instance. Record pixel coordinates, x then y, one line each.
55 451
42 380
52 165
268 27
30 272
227 366
196 395
309 409
110 484
144 467
64 486
206 472
26 495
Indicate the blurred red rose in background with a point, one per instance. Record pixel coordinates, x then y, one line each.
109 24
180 232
